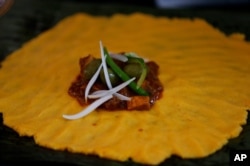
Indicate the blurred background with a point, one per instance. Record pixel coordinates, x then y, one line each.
177 4
199 3
166 4
21 20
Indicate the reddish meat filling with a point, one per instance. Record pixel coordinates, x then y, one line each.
151 84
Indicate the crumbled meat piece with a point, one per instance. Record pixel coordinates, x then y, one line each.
138 103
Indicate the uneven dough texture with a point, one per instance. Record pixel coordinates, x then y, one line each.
205 75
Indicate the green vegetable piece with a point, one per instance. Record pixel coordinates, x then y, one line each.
139 61
123 75
114 79
133 70
91 68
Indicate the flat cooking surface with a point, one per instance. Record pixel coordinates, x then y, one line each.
26 19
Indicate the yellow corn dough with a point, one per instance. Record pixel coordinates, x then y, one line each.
206 76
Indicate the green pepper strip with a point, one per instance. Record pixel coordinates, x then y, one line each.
123 75
133 59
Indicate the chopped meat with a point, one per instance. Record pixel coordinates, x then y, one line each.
151 84
138 103
114 104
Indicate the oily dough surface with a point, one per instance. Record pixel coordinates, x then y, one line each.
205 75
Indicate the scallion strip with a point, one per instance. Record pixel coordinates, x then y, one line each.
123 75
106 75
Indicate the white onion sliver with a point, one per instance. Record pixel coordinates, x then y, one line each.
119 57
98 94
101 93
122 97
105 70
137 56
89 109
91 82
111 91
124 84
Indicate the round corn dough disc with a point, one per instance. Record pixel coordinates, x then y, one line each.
204 72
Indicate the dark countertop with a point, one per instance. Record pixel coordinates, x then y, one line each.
26 19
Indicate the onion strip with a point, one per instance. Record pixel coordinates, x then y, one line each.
89 109
103 97
99 92
91 82
119 57
111 91
132 54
